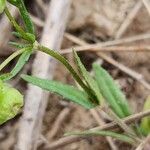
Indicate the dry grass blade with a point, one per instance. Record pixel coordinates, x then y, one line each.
128 20
143 144
85 46
141 48
139 77
57 124
110 126
101 122
147 5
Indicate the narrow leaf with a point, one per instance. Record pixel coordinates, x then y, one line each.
121 137
106 91
67 91
112 88
24 14
3 77
89 80
18 45
21 62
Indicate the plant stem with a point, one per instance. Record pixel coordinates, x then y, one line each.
11 57
61 59
17 27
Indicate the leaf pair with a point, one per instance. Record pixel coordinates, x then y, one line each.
86 99
102 86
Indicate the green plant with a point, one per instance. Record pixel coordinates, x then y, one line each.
145 123
10 102
98 91
2 5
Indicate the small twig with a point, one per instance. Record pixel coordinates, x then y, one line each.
101 122
42 5
85 46
143 144
140 48
56 126
123 125
37 21
129 19
110 126
130 72
147 5
127 120
120 66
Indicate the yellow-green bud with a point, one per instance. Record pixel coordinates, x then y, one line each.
2 5
11 101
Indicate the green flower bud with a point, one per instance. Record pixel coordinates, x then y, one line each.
10 102
145 123
2 5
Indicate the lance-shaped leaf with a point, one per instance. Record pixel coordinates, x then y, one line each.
24 14
66 91
107 94
145 123
21 62
88 79
18 45
118 136
112 88
3 77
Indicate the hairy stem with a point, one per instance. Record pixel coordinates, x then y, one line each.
67 65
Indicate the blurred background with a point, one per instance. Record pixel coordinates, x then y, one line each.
114 33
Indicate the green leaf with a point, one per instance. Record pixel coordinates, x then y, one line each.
3 77
26 36
29 36
18 45
113 89
67 91
121 137
145 123
102 81
2 5
24 14
21 62
26 18
89 80
63 60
